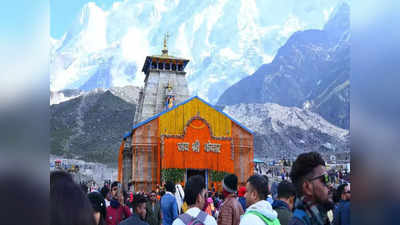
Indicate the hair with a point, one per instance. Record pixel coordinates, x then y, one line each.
193 188
115 183
84 188
137 200
99 205
286 189
68 204
162 193
337 195
104 191
266 178
169 186
304 165
260 185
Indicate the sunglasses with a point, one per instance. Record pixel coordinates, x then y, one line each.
347 192
324 179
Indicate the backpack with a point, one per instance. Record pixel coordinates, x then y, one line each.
264 218
190 220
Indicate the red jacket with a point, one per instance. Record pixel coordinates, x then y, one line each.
116 215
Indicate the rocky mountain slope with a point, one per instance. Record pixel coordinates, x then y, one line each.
311 70
91 125
285 132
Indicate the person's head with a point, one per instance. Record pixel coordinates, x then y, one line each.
139 205
153 196
169 186
68 204
104 192
268 186
310 178
229 183
195 192
287 193
346 195
343 192
84 188
99 207
256 189
115 187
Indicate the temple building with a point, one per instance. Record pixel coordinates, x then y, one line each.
177 135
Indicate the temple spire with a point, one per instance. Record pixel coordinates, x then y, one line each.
165 50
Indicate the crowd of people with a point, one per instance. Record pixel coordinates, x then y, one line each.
309 198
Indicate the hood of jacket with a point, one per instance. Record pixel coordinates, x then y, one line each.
277 204
264 208
114 203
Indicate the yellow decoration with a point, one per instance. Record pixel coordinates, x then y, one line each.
174 121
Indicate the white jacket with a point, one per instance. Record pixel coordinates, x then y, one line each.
262 207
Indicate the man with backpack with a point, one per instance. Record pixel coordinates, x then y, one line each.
259 211
195 197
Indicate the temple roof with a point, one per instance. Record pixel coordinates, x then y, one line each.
149 59
180 104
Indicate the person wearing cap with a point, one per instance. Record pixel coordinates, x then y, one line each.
242 199
99 207
231 209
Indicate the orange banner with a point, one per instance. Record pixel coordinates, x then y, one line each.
197 150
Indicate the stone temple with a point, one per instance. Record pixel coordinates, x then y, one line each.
175 136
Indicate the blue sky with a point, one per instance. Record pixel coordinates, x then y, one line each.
63 13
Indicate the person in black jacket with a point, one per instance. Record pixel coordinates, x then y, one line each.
139 212
284 203
311 180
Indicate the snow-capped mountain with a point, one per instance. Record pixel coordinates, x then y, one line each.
285 132
225 40
311 70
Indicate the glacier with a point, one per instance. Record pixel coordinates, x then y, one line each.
225 40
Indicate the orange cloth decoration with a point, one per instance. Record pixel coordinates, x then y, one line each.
197 131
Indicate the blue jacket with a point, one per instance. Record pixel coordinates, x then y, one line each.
169 209
242 202
341 215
